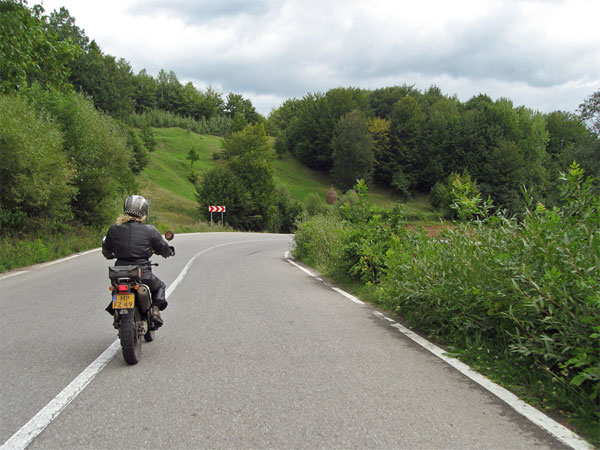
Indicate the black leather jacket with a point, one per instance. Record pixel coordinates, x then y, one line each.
133 243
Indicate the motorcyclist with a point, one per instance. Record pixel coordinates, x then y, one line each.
132 242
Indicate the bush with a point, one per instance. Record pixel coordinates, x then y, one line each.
288 211
35 173
524 292
314 205
319 242
95 145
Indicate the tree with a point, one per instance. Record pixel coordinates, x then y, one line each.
145 89
169 92
403 164
140 155
220 186
147 135
569 140
192 157
110 82
380 133
28 51
352 151
250 187
589 111
237 104
383 100
62 25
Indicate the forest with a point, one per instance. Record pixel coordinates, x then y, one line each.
414 141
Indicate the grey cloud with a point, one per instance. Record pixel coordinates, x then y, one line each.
288 49
199 11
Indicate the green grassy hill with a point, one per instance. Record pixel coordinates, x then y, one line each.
165 180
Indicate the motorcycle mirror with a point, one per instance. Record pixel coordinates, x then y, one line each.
169 235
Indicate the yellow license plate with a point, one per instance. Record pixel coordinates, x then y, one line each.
123 301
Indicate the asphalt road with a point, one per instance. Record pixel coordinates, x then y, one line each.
254 353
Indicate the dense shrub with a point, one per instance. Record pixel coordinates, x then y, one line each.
216 125
243 181
524 290
97 149
320 243
288 211
35 173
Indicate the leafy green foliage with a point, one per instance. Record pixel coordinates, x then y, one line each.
352 151
420 138
97 149
244 182
36 175
140 154
589 111
216 126
523 291
309 134
28 51
288 213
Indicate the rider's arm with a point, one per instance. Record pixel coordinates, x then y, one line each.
159 245
107 247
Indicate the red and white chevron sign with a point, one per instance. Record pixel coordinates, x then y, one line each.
220 209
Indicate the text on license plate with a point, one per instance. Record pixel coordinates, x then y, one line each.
121 301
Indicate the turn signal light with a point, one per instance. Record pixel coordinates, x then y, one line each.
111 288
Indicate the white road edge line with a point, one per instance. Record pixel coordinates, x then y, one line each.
13 274
28 432
50 263
557 430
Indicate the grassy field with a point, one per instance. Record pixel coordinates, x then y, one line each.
165 181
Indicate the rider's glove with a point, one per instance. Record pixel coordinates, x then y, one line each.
172 250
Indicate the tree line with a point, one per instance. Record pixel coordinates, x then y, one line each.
75 123
53 51
399 137
414 141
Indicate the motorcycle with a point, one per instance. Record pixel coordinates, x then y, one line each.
132 306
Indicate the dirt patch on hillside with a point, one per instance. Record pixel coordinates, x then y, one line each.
431 230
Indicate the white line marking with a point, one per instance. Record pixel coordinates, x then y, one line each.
13 274
28 432
56 261
348 296
22 438
559 431
301 268
50 263
562 433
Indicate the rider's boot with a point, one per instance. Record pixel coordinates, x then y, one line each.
155 317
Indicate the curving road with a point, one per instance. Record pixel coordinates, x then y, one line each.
254 354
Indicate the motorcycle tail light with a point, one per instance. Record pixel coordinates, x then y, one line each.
123 288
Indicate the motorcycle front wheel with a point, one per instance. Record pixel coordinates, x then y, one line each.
131 341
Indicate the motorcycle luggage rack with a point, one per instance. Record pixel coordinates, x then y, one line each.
131 272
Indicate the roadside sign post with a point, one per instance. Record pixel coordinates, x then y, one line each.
212 209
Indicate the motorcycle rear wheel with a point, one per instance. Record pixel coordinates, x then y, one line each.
131 341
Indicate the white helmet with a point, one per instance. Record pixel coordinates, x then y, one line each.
136 206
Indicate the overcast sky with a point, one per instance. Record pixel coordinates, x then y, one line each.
544 54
